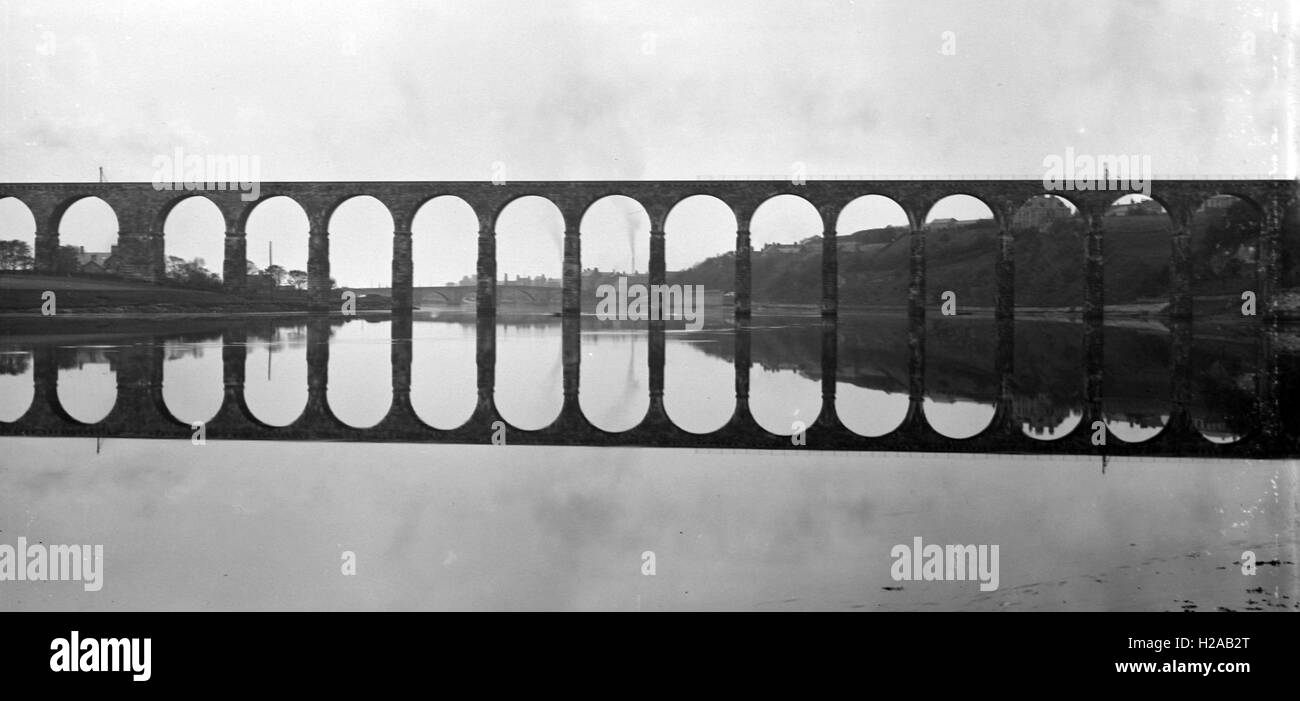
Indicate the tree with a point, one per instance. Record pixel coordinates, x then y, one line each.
298 279
277 273
191 273
174 266
15 255
14 363
65 261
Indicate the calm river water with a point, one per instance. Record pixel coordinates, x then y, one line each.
233 525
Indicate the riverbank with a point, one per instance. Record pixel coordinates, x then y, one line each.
25 293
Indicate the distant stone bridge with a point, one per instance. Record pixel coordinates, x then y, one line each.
507 293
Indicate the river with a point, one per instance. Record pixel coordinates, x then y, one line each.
257 525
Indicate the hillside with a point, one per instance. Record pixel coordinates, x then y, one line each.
874 264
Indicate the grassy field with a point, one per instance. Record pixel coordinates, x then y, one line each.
23 293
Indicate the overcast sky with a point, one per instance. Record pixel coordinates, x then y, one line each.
637 90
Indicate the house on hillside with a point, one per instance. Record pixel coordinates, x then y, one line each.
96 262
1136 209
782 248
1039 213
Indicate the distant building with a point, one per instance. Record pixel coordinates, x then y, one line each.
1040 212
1220 202
782 248
525 280
1136 209
96 263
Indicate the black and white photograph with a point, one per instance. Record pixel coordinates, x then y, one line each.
870 306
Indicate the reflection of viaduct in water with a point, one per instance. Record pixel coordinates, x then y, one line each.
141 211
1043 400
1045 387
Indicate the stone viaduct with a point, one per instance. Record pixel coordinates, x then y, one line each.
141 210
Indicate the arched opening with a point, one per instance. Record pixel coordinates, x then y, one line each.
529 372
193 380
17 382
873 249
1136 376
17 255
785 378
17 236
1225 368
361 244
194 236
361 260
444 252
360 371
961 381
88 239
614 384
87 381
1047 385
275 372
700 252
277 237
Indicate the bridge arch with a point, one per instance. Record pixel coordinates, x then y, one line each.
943 202
1049 234
249 209
1223 257
360 229
277 231
529 245
192 376
193 227
614 385
276 373
87 382
17 383
961 341
786 274
444 241
513 200
88 223
873 249
160 220
17 223
700 249
1138 283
